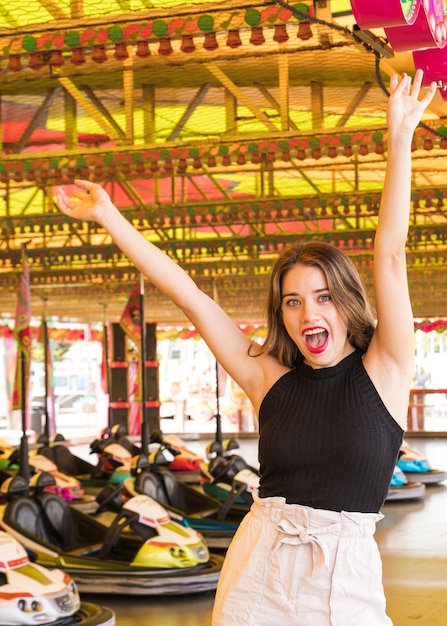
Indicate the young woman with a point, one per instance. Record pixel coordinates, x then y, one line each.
330 386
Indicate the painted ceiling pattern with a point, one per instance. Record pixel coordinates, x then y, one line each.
223 131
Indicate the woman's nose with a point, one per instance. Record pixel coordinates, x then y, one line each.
308 311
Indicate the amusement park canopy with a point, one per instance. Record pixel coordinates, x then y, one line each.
222 130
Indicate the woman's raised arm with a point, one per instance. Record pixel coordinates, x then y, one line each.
389 360
90 202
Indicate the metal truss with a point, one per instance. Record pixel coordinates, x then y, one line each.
221 143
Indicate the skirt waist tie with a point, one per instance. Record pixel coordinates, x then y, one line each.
292 533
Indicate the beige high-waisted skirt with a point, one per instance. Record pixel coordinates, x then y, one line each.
291 565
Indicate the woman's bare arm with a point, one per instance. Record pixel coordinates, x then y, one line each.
90 202
389 360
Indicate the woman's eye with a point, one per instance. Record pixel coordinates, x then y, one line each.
325 298
292 303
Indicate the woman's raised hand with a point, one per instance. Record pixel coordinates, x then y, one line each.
405 106
89 201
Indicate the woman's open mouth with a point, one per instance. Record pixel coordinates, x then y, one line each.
316 339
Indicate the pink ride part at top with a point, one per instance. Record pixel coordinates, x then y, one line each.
417 26
429 30
434 63
410 25
433 59
383 13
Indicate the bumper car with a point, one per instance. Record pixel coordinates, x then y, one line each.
67 486
6 449
7 455
184 463
31 594
57 451
113 461
417 468
186 504
230 479
403 489
139 551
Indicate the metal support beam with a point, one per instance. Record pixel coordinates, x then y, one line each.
76 9
230 113
129 98
192 106
71 122
317 105
355 102
54 9
240 95
149 127
94 109
286 124
284 95
36 120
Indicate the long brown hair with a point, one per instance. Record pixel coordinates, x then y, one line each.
345 287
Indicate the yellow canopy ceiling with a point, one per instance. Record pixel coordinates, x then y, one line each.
232 131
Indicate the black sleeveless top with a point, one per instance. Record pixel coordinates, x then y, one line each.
327 440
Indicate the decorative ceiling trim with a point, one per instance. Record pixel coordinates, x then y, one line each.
317 210
136 162
67 43
207 257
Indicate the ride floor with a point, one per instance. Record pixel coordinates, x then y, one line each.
412 538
